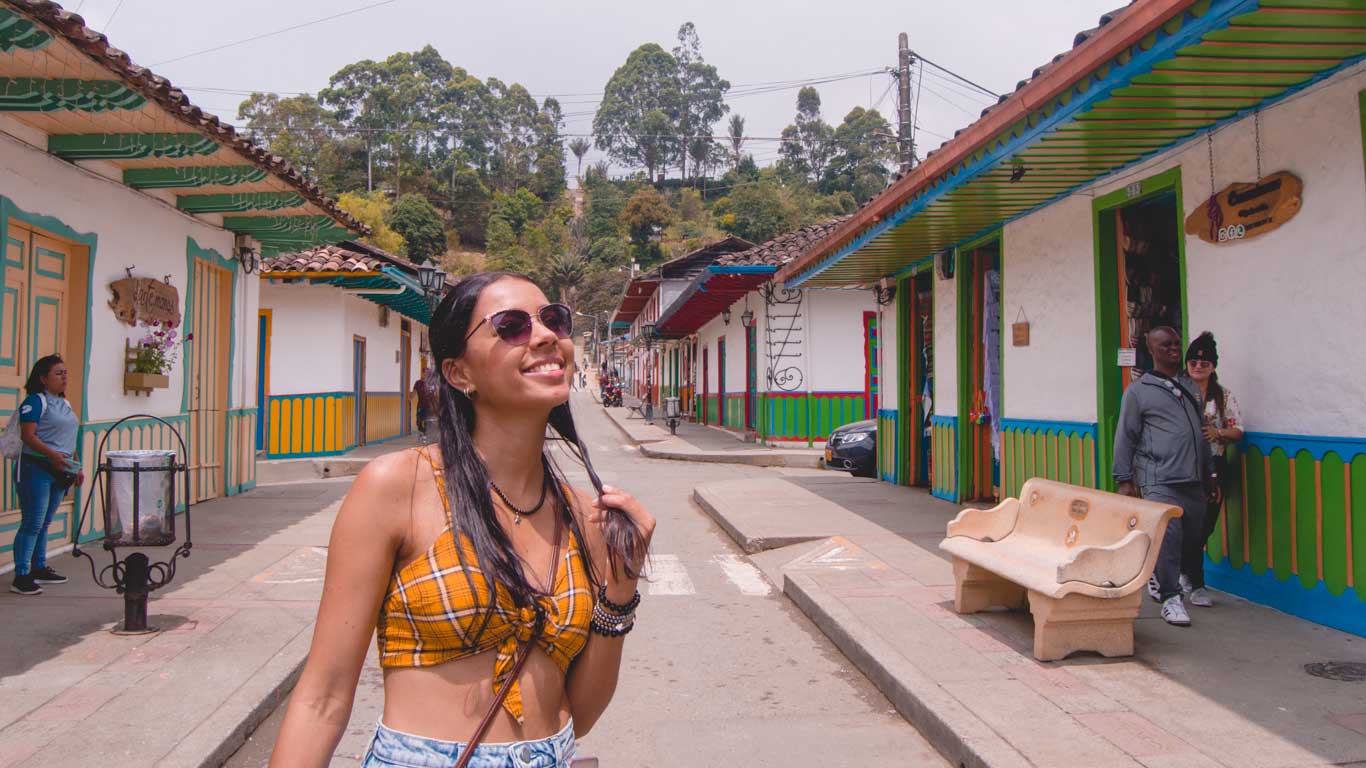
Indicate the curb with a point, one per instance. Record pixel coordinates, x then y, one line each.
219 736
958 734
751 545
754 459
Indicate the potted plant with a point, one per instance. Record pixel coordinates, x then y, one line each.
148 363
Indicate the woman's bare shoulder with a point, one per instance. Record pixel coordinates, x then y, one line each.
385 484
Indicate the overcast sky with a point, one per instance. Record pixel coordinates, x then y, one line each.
570 49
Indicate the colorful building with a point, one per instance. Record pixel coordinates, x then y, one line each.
342 337
1198 164
122 203
645 298
782 365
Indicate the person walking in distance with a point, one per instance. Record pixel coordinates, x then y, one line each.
1161 454
1223 427
499 596
46 470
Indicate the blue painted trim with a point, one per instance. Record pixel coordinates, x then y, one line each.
1078 428
1346 612
742 269
943 421
1140 63
1347 448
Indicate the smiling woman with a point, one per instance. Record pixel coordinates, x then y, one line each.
509 618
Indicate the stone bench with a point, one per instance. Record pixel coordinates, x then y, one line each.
1079 556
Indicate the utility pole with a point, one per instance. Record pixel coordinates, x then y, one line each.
905 134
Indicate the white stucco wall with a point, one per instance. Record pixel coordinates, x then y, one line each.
134 230
836 330
945 348
1283 305
1049 279
314 327
888 335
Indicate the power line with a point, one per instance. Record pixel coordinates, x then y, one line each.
948 71
274 33
108 23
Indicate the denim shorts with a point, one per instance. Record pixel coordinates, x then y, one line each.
404 750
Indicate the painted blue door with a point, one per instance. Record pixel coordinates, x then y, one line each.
262 360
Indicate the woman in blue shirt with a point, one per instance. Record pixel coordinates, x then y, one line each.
46 470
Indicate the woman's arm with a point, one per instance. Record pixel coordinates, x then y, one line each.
365 538
593 678
28 432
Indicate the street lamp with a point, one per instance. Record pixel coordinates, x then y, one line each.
747 318
725 316
139 498
426 276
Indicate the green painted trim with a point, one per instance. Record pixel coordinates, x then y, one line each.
46 272
16 31
279 232
961 318
8 210
130 146
47 301
193 176
1107 302
36 94
964 341
235 202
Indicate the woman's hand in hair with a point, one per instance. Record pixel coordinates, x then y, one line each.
615 498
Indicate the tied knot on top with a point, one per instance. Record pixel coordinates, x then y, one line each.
529 620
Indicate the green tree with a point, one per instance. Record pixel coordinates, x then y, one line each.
566 272
636 122
701 93
372 210
806 143
757 211
295 128
517 209
864 145
645 216
579 146
413 217
468 201
600 292
735 133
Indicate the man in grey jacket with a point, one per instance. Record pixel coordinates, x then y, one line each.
1161 455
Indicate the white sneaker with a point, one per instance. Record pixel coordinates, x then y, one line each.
1154 591
1174 612
1202 598
1186 586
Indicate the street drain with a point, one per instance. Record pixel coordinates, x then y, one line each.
1344 671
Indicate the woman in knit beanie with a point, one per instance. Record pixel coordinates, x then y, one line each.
1223 427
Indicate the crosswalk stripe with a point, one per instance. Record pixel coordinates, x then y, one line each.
746 577
669 577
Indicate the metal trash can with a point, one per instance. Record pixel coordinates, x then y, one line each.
148 491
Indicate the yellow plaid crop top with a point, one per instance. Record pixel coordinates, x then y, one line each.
430 615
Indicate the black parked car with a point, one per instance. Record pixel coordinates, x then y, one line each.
853 448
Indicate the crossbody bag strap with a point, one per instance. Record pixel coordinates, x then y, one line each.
522 655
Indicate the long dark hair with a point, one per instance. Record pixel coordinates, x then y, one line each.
466 476
41 369
1215 391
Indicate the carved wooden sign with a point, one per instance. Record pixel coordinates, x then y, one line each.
145 299
1242 211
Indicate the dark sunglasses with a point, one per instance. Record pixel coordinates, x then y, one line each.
514 325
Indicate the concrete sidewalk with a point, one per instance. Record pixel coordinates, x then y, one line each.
698 442
1229 691
237 623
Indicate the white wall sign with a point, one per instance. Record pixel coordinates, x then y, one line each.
1128 357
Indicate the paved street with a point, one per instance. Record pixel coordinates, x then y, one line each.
722 670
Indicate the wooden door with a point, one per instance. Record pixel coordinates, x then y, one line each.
208 360
358 386
42 312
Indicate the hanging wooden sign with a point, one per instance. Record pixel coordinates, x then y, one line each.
1242 211
145 299
1019 334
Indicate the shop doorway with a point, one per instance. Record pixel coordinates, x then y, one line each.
706 386
721 381
979 358
870 362
358 389
209 356
915 320
262 376
751 374
405 375
1140 274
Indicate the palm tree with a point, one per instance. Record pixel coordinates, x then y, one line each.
580 147
736 132
567 270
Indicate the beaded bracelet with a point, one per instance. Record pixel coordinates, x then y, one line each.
615 607
608 626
